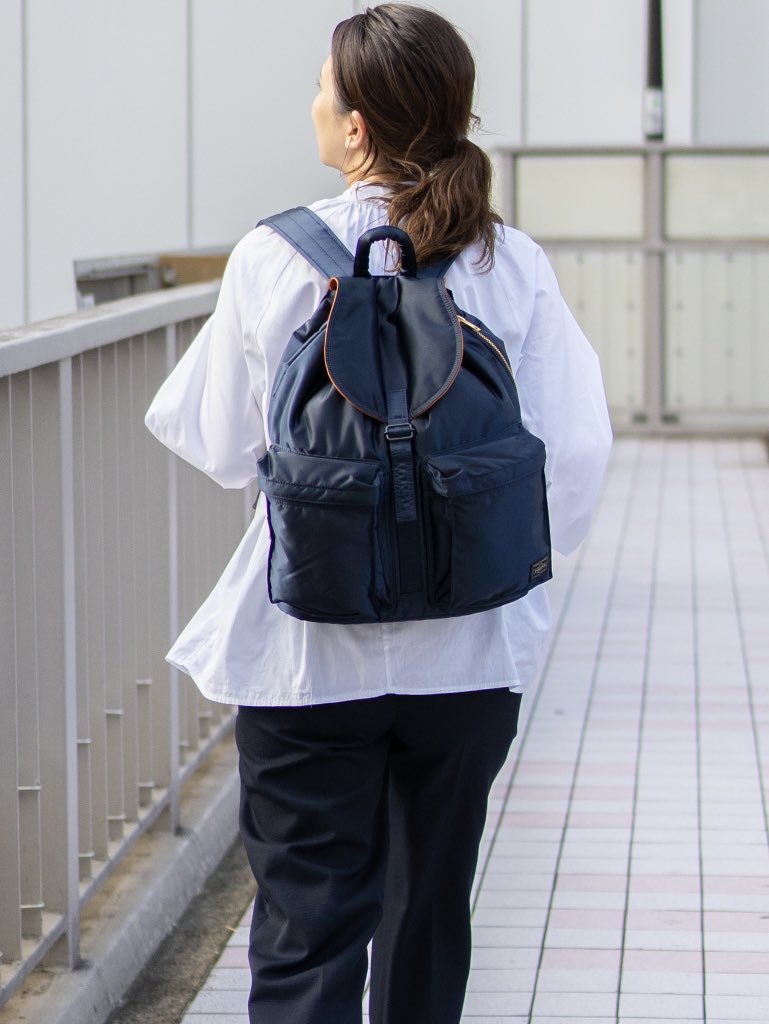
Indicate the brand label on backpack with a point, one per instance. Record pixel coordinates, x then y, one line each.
539 568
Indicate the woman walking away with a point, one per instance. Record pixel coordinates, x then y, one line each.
367 750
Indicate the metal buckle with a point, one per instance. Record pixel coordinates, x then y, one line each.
399 432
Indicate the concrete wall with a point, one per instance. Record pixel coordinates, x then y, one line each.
133 128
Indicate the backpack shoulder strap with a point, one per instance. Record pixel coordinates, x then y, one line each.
314 239
436 269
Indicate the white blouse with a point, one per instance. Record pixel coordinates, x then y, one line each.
212 410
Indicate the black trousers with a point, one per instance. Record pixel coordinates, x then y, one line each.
360 819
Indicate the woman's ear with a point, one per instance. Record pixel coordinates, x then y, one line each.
357 133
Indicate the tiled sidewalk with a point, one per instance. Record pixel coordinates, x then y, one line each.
624 875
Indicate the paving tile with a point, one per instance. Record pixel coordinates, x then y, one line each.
539 1019
667 1007
575 1004
507 917
663 920
577 981
509 979
514 899
216 1002
664 901
584 938
588 900
654 960
745 942
737 984
503 957
525 938
659 982
682 941
233 956
565 918
568 882
219 1018
484 1003
744 1007
580 959
236 979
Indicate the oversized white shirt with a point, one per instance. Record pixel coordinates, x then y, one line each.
212 410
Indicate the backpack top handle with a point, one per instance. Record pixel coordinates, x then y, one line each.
382 234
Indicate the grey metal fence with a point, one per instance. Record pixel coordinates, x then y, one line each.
106 543
663 255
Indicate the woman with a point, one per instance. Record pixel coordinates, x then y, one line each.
367 752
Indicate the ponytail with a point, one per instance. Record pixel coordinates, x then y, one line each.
411 76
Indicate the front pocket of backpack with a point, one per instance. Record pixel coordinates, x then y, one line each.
324 563
487 530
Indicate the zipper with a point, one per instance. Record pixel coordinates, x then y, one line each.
488 341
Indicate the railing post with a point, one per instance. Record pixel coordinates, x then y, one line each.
10 867
654 288
173 607
54 518
66 456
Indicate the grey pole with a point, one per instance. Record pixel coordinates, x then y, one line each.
653 112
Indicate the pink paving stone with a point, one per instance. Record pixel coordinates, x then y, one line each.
608 769
533 792
600 819
671 960
234 956
580 959
591 792
591 883
665 883
664 920
737 963
569 918
726 921
756 886
547 766
542 819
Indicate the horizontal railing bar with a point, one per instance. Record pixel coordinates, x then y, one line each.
639 245
51 340
631 149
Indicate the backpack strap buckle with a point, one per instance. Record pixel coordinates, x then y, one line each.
399 432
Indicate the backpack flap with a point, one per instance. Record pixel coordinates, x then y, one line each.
399 318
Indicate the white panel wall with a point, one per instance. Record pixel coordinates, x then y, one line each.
107 136
253 81
678 19
732 78
11 166
494 31
585 71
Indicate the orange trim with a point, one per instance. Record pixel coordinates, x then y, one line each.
458 367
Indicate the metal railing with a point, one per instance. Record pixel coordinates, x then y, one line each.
662 252
107 544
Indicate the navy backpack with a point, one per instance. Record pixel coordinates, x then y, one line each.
400 481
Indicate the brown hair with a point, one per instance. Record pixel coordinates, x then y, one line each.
410 74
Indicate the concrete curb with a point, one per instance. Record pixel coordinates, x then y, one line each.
139 906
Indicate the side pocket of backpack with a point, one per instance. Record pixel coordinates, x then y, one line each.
325 564
487 529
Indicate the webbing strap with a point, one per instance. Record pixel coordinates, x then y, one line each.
436 269
399 433
314 239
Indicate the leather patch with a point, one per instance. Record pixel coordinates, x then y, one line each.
539 568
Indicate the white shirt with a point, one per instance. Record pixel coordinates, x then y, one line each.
212 410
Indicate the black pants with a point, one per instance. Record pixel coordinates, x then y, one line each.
362 819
